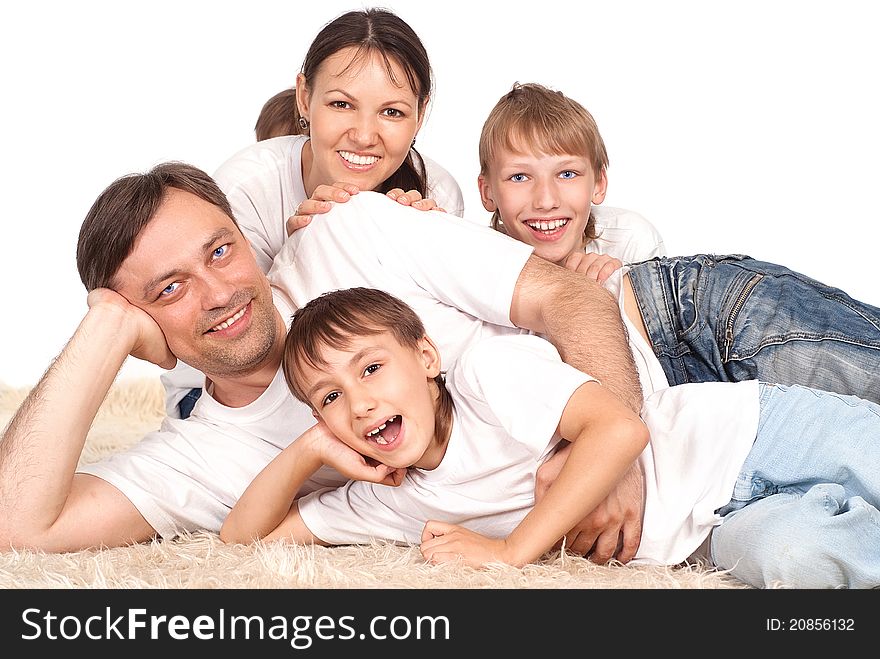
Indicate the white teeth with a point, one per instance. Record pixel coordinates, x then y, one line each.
375 432
552 225
229 321
355 159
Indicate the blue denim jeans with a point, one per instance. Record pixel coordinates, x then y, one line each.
188 402
732 318
804 511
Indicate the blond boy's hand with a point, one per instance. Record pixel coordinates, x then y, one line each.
596 266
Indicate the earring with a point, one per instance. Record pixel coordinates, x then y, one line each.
303 124
413 143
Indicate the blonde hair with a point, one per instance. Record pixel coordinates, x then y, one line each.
535 118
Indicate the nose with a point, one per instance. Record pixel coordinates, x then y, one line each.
361 401
365 131
217 291
546 196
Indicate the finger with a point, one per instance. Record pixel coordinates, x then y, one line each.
605 547
424 204
350 188
297 222
580 543
609 269
313 207
395 193
631 538
336 192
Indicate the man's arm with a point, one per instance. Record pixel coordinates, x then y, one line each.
582 320
43 504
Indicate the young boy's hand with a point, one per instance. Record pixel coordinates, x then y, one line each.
349 462
596 266
450 543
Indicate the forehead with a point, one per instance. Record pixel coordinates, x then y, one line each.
510 156
350 64
175 238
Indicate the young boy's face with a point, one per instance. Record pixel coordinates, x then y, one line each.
544 200
378 397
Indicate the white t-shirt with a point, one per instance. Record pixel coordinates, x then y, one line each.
625 235
504 424
264 185
452 272
188 474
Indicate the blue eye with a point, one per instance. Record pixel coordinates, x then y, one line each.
220 251
329 398
568 174
169 289
518 178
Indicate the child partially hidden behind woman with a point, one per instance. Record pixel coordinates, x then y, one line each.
450 463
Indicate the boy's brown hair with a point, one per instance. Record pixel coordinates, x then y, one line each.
534 117
277 116
334 318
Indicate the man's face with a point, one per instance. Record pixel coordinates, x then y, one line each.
194 273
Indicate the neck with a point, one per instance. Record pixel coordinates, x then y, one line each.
306 159
244 389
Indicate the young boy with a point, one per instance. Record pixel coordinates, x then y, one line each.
543 172
766 466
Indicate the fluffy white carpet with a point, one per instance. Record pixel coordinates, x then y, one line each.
201 561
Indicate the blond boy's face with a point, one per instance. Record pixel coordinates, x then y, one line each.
377 396
544 199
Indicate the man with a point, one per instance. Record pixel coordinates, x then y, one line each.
171 277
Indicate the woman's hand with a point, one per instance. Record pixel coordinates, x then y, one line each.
320 202
596 266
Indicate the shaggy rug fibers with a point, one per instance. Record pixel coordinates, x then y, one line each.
201 561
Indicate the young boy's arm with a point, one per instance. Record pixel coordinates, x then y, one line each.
267 509
606 438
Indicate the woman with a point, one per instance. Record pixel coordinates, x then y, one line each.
361 98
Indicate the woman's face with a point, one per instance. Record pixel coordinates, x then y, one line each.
361 122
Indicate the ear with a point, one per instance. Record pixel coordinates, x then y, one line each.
486 194
422 113
600 188
302 96
430 356
315 414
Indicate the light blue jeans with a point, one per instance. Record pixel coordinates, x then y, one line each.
804 511
730 318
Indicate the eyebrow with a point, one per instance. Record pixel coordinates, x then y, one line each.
349 96
155 281
322 382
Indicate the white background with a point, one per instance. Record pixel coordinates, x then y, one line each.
734 127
